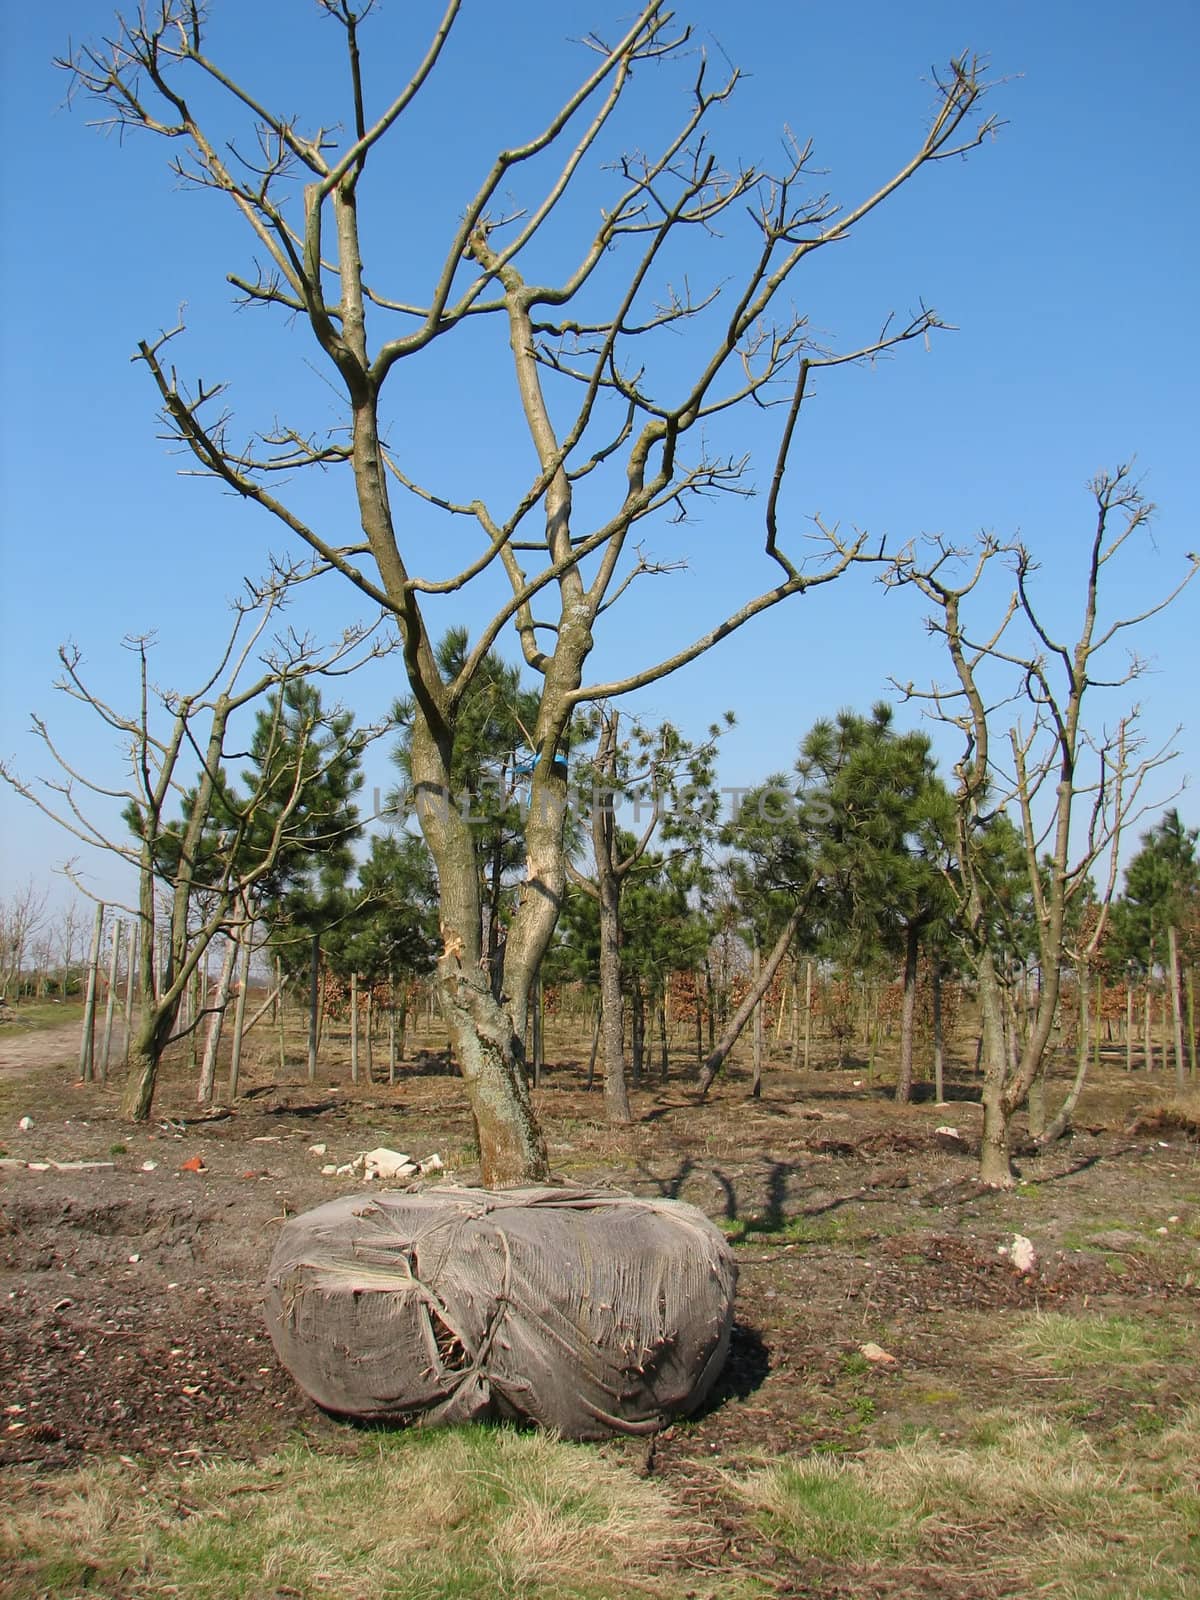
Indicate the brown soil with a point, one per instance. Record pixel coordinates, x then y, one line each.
131 1322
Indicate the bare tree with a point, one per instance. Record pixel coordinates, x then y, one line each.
1073 786
579 349
22 917
206 872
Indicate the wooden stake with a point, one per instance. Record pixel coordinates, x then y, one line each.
314 989
246 943
1176 1007
353 1027
87 1044
110 1000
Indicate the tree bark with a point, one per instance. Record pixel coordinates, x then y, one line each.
744 1012
154 1029
487 1034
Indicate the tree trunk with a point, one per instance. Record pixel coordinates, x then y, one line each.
491 1060
245 945
1176 1007
1128 1025
208 1067
710 1005
616 1092
595 1050
353 1027
664 1048
87 1041
130 969
537 1020
369 1029
995 1161
908 1011
110 999
744 1012
487 1034
154 1029
939 1041
1083 1045
1191 1014
391 1030
281 1015
756 1082
808 989
314 994
1148 1029
637 1035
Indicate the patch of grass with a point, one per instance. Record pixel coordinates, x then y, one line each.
459 1514
828 1227
1057 1519
825 1508
118 1149
1068 1342
36 1014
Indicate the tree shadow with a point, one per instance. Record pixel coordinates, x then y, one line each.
745 1369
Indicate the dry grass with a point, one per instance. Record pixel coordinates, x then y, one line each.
1028 1506
470 1514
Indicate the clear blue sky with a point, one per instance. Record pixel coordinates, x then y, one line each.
1065 252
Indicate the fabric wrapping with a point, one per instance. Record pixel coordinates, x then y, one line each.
587 1312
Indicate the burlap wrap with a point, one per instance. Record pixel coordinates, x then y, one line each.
586 1312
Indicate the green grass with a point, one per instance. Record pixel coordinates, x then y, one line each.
35 1014
1069 1343
829 1227
459 1514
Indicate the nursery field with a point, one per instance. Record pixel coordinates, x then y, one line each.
906 1412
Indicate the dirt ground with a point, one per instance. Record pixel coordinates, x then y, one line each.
130 1292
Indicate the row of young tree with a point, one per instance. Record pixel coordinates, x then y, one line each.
850 863
636 380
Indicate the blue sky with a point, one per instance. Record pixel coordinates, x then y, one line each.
1064 252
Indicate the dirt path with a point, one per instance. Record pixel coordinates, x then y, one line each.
132 1289
38 1047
